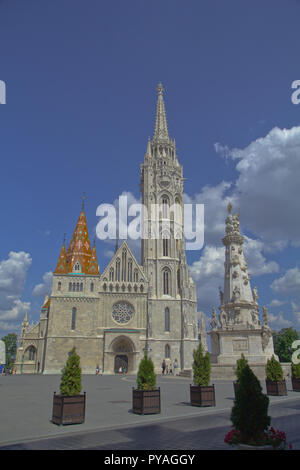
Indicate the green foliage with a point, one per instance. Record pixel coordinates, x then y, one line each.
249 414
10 341
201 367
146 378
274 370
283 343
71 376
240 364
296 371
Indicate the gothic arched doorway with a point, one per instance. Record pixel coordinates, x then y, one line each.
121 363
122 355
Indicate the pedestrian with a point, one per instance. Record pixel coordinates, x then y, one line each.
167 370
163 366
175 366
97 370
171 370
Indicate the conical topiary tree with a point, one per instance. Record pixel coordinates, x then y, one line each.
146 378
240 365
274 370
249 414
201 367
71 376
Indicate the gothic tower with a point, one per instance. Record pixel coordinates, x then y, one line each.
172 310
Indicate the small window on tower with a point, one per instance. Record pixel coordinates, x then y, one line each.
77 267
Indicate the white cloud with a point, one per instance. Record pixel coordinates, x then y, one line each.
257 263
288 284
13 273
44 288
267 188
278 321
276 303
296 311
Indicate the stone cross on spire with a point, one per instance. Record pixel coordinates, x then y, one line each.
161 133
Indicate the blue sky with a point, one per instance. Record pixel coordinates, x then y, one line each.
81 78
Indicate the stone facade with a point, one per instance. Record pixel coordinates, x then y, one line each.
114 317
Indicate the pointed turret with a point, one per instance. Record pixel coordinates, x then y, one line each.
161 127
62 266
79 253
93 267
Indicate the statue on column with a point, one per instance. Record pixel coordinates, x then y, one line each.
214 320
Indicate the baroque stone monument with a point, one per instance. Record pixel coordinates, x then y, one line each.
238 329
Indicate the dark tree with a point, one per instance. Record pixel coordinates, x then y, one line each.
146 378
10 341
201 367
71 376
249 414
283 340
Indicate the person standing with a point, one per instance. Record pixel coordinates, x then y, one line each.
163 366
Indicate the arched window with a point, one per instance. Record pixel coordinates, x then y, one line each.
74 286
59 286
70 286
135 275
165 247
129 272
118 270
167 319
81 286
167 351
165 207
73 323
166 281
77 287
111 274
31 353
123 274
92 287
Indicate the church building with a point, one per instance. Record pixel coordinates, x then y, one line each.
114 317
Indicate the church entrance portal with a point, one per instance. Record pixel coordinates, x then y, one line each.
121 363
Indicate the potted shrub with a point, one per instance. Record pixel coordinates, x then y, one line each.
202 393
296 377
69 405
275 383
146 397
250 419
240 364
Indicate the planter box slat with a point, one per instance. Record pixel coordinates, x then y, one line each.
146 401
202 396
296 384
276 387
68 410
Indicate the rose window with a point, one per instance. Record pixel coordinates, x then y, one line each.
122 312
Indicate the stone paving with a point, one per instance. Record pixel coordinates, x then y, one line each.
26 407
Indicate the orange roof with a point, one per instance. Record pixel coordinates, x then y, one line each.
93 267
79 251
61 267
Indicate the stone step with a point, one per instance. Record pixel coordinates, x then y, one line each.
185 373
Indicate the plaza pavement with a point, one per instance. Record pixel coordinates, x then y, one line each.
26 407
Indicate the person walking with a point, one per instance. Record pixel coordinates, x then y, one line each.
163 366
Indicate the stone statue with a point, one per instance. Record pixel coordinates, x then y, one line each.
214 320
255 294
221 293
265 316
266 335
223 319
236 294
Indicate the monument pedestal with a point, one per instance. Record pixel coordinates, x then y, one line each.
227 346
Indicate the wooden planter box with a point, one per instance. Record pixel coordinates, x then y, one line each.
146 402
249 447
276 387
202 396
68 410
296 384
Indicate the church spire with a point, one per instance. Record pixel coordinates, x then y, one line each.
79 253
161 127
61 267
